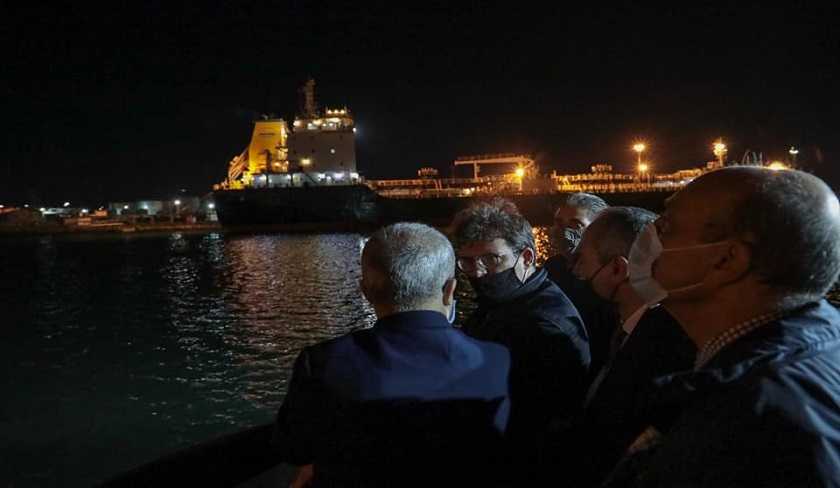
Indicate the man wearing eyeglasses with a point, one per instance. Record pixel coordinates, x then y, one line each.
519 307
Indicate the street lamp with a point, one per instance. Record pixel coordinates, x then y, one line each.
793 152
719 149
639 147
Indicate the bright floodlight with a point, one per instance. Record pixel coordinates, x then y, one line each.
639 147
777 166
520 172
177 202
211 206
793 151
643 167
66 204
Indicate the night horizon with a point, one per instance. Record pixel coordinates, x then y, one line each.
140 103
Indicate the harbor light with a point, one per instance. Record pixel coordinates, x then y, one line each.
125 207
211 206
777 166
793 152
2 206
719 149
84 210
177 202
305 162
42 209
66 204
338 176
25 206
520 172
643 168
639 147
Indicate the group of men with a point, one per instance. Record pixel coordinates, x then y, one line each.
690 349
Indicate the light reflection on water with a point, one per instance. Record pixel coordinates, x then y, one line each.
121 349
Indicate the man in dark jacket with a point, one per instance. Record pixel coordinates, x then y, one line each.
409 402
647 343
571 220
744 256
523 310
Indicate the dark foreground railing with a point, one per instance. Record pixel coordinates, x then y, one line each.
230 460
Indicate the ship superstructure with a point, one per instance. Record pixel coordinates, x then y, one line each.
319 150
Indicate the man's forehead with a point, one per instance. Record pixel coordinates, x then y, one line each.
566 213
483 247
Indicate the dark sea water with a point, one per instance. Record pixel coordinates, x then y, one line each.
116 350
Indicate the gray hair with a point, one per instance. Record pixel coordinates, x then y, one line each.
615 229
791 219
410 262
496 219
589 203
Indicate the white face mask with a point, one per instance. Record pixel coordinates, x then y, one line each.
645 250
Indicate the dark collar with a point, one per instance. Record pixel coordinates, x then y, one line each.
413 320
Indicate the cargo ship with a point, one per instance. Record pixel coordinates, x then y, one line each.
305 177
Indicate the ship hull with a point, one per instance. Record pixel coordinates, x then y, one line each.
302 208
357 207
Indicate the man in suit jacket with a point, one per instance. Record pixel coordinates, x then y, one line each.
646 343
410 401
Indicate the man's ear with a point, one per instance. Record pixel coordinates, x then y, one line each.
732 264
620 267
529 257
449 291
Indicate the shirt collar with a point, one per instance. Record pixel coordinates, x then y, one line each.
633 320
712 347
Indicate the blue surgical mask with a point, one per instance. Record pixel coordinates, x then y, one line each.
451 317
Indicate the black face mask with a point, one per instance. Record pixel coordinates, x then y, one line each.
567 239
591 287
497 287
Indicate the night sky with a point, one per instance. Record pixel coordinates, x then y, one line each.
141 99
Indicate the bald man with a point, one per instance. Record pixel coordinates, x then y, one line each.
742 258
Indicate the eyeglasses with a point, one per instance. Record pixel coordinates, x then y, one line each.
487 262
